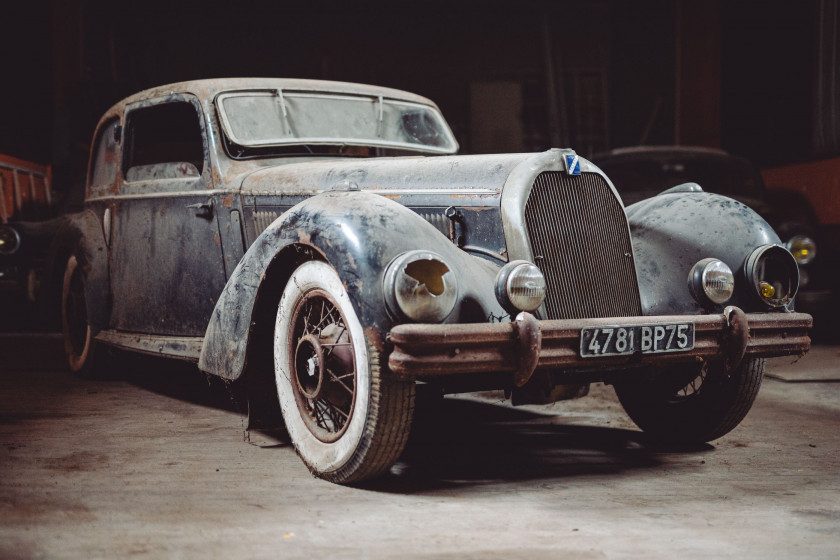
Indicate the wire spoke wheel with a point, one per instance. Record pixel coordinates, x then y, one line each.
347 415
324 368
693 387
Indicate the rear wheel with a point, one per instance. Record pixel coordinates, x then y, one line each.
83 354
692 404
347 416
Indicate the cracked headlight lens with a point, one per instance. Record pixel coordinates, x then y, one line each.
420 286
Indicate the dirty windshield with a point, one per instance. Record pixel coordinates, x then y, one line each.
281 118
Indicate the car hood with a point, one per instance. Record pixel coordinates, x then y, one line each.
477 178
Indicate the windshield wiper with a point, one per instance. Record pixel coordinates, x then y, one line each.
285 114
381 113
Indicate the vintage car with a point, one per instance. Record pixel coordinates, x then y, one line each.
321 242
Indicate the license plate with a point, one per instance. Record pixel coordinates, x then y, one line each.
632 339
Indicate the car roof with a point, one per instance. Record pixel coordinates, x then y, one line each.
209 88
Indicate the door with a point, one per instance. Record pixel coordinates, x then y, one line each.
167 268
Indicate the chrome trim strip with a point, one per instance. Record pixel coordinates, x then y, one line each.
456 192
178 194
381 192
181 347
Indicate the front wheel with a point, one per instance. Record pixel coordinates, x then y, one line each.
347 416
692 403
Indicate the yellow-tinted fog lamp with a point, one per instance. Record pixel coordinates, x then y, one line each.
803 248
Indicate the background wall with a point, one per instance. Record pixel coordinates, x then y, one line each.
754 77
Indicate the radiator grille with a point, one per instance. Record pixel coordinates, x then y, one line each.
578 232
439 220
263 219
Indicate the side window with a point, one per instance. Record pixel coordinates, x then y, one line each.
163 142
104 166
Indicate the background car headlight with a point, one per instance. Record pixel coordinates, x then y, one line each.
9 240
420 286
711 282
773 274
803 249
520 285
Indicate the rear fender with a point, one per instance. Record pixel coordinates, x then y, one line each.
81 235
358 234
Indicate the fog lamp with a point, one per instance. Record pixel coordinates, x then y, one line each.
520 285
711 282
9 240
803 248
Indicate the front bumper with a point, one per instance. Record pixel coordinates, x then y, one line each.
423 351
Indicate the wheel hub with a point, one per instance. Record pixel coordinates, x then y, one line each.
309 367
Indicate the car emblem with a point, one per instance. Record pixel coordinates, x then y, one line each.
573 164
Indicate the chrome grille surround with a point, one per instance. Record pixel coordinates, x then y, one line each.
581 242
589 229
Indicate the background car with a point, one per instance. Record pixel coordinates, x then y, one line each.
28 212
643 171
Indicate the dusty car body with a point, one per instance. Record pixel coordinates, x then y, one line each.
321 242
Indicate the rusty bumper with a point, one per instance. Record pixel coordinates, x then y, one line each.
520 347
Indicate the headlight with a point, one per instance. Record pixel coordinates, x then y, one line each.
802 248
520 285
421 287
9 240
711 282
772 272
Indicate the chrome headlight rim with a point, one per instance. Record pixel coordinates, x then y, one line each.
7 232
799 240
783 273
702 278
409 299
504 288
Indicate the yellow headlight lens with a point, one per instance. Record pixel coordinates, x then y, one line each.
767 290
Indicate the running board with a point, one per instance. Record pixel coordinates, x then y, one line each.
180 347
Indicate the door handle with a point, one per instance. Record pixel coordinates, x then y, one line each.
203 209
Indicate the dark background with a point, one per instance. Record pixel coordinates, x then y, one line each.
757 78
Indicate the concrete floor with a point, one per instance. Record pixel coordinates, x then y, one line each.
154 466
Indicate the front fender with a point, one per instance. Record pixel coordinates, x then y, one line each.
672 231
358 234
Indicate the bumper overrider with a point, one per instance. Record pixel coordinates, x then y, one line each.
432 351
